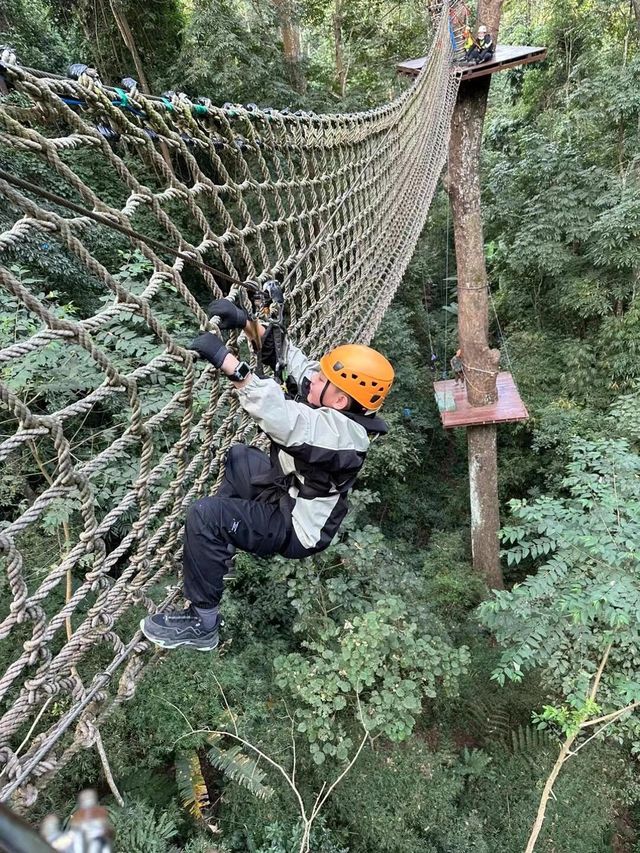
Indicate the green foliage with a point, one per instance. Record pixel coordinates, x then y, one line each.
584 595
282 837
238 766
140 829
567 720
625 415
367 626
408 799
39 38
404 467
529 740
191 785
231 52
373 35
378 666
396 457
452 587
588 795
475 764
156 30
560 205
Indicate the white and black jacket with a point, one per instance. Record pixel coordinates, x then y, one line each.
316 453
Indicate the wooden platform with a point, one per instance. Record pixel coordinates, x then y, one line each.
455 411
506 56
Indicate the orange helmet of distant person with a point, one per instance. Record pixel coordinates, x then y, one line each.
361 372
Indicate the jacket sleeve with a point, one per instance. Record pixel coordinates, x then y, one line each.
318 436
298 364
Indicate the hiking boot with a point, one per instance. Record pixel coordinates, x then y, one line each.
174 628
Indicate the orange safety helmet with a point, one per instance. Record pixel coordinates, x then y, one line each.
361 372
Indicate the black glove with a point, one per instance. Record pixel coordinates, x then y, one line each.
210 346
231 316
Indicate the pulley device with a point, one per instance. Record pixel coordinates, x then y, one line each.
268 306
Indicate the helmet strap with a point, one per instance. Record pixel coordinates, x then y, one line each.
326 385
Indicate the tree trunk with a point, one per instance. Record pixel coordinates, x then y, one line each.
127 38
548 792
635 4
291 44
341 67
483 498
481 362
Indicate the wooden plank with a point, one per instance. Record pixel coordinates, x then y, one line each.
455 411
506 56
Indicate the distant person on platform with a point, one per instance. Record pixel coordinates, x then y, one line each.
483 47
468 43
457 366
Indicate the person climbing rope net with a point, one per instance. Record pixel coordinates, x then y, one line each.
292 501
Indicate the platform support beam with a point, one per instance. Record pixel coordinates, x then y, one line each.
481 362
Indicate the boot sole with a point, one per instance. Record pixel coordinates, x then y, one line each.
167 644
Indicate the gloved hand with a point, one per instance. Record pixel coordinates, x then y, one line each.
210 346
231 316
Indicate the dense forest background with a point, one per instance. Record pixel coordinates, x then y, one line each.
470 698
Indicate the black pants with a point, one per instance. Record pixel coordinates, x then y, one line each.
476 54
234 518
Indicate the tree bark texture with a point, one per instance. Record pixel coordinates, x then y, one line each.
636 9
290 32
489 12
341 67
128 39
483 498
481 362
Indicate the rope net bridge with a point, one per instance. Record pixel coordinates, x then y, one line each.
330 205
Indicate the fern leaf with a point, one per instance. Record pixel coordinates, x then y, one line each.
528 740
489 721
191 784
239 767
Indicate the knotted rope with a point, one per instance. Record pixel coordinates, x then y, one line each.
331 205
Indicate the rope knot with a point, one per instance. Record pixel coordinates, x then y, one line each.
86 733
103 622
40 684
25 796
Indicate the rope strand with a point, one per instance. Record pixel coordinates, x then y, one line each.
332 205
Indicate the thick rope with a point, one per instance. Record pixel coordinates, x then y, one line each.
331 205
